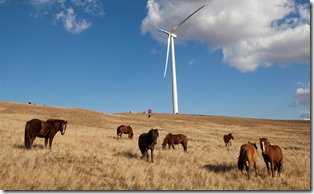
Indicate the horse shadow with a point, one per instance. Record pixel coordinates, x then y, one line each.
219 167
22 146
126 154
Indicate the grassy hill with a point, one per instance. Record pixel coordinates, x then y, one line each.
89 157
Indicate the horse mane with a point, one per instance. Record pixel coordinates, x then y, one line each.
56 121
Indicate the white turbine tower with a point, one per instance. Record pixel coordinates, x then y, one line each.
171 37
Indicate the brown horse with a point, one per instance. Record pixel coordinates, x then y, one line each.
227 139
247 158
126 130
272 155
172 139
37 128
148 141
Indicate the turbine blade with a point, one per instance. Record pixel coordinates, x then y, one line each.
179 24
167 56
164 31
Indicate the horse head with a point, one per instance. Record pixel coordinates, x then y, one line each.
63 126
153 134
231 136
263 141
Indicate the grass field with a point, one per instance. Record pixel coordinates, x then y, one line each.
89 157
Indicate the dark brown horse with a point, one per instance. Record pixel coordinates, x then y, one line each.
123 129
172 139
148 141
272 155
227 139
247 158
37 128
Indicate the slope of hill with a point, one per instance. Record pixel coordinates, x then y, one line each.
89 157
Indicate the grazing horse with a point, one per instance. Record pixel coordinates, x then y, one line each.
37 128
172 139
272 155
126 130
148 141
247 158
227 139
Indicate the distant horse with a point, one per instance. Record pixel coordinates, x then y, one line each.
37 128
272 155
172 139
227 139
126 130
247 158
148 141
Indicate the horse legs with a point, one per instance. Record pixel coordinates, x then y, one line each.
279 168
46 142
32 140
247 167
255 168
184 146
172 145
152 155
50 142
119 135
272 168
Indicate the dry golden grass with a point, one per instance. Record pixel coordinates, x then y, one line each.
89 157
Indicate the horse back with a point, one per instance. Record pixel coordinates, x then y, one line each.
124 129
35 127
276 153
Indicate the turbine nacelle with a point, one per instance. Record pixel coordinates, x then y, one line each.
173 35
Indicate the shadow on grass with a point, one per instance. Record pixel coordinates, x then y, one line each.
219 167
22 146
127 155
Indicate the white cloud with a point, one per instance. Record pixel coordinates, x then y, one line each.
67 12
250 34
302 97
70 22
306 115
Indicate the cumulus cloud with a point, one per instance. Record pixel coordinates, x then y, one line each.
306 115
70 22
74 15
302 98
250 34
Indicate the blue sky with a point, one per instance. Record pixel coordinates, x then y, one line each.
245 59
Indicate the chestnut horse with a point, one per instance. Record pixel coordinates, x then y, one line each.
227 139
37 128
272 155
172 139
126 130
148 141
247 158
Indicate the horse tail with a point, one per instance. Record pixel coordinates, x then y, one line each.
241 159
27 139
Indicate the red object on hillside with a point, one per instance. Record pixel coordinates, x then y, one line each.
149 112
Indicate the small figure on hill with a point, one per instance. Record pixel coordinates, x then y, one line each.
149 112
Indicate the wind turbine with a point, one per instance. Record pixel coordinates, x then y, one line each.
171 37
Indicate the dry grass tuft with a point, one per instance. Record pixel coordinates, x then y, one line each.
89 157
